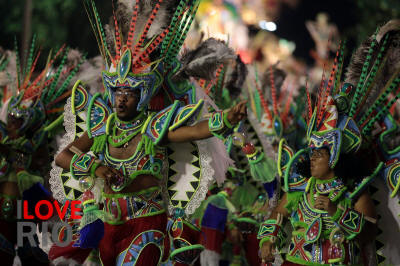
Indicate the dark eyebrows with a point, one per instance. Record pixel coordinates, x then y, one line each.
320 151
121 88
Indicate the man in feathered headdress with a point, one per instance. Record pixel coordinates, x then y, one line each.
30 111
326 201
128 138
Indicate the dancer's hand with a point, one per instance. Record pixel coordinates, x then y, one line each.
110 175
324 203
267 254
237 113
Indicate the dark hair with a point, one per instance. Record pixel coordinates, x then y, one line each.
303 166
351 168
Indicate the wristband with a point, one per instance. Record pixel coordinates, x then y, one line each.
83 165
219 125
271 230
216 121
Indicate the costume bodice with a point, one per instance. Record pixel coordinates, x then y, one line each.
313 228
139 163
306 214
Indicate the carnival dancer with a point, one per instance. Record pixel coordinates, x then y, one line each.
275 124
30 111
332 215
129 145
382 54
220 236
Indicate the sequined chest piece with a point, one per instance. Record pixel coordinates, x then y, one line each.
140 163
319 223
333 189
314 227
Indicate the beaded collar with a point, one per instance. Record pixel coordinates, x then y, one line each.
130 125
127 130
333 187
324 187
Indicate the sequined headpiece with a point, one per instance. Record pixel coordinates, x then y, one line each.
128 60
329 127
38 98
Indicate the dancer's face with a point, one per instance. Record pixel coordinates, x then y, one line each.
126 101
320 164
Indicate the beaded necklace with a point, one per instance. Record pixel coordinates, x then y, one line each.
333 188
127 130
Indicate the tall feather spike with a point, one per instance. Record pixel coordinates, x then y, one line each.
42 76
29 59
59 98
218 88
95 23
179 32
251 96
308 103
283 93
49 62
182 32
191 12
117 36
55 110
334 69
4 62
263 102
330 81
319 102
28 77
357 93
92 20
132 25
102 35
370 82
340 69
390 86
64 85
154 44
209 87
384 111
187 28
146 28
273 91
261 95
173 27
53 85
18 62
5 90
